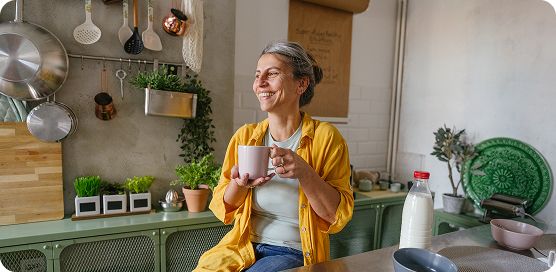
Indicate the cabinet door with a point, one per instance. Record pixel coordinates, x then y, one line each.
358 235
390 224
182 247
33 257
126 252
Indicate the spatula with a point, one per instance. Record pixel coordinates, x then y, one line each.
134 44
150 38
87 32
124 32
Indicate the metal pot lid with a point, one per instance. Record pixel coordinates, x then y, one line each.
49 122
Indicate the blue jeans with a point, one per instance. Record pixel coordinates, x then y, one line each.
275 258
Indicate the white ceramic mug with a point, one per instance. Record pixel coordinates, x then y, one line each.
253 160
395 187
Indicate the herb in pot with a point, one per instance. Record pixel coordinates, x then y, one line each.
139 185
87 186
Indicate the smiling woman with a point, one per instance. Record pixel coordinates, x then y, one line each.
282 220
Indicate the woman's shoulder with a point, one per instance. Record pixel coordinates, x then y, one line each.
244 133
325 131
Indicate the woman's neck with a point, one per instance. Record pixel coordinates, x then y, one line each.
283 126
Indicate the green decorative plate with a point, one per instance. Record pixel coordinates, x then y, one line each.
511 167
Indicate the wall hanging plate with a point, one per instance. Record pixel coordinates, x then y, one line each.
511 167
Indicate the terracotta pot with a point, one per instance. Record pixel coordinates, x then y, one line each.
196 199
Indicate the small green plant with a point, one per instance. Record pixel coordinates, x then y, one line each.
109 188
192 174
139 185
87 186
159 80
450 146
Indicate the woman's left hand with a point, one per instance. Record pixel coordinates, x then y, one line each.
287 163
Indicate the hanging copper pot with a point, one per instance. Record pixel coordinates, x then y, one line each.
175 22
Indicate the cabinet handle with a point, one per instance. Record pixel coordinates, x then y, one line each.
163 232
57 246
45 247
154 233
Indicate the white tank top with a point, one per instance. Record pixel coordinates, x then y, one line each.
275 215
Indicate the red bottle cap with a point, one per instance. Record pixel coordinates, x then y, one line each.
421 175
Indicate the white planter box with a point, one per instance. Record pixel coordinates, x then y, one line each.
85 206
170 104
114 204
140 202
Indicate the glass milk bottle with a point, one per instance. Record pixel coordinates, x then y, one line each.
417 214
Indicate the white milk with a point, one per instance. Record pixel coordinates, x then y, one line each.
417 222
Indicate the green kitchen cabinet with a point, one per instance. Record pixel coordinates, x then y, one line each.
448 222
132 252
32 257
181 247
375 224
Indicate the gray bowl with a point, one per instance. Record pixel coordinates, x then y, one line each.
171 207
421 260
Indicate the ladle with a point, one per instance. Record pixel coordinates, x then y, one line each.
87 32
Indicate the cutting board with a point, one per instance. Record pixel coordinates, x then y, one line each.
31 182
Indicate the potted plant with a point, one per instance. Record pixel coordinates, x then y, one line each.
139 194
87 199
114 198
451 147
165 94
197 177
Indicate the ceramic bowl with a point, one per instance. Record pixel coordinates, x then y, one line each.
514 234
417 259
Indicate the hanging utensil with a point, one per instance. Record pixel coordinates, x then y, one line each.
134 45
124 32
87 32
150 38
33 62
175 23
104 108
121 75
52 121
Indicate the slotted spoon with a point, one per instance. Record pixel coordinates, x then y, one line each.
124 32
87 33
134 45
150 38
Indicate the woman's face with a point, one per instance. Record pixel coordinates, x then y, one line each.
275 86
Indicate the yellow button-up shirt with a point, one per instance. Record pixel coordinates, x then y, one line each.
325 150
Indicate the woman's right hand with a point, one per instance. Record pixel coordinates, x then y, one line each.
244 181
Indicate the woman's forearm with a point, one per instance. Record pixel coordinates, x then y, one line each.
324 198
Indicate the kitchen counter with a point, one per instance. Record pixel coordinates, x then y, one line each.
381 259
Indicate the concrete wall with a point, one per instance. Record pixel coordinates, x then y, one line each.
372 55
483 65
132 144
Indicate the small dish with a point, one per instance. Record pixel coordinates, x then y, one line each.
513 234
418 259
171 207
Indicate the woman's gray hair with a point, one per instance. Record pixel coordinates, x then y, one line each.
302 64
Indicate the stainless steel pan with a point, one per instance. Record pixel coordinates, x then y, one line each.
33 62
51 121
